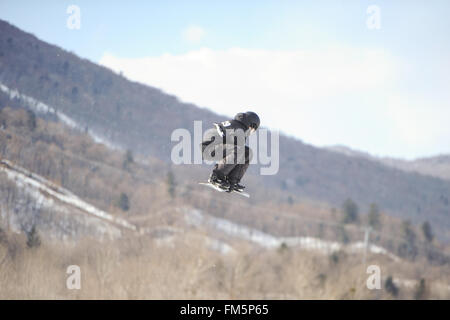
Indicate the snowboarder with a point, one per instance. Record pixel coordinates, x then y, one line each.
228 171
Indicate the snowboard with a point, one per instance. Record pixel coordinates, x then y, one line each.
217 188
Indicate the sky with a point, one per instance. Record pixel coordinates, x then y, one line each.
370 75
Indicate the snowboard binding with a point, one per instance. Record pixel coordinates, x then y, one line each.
223 185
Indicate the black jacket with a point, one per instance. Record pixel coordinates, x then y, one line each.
225 131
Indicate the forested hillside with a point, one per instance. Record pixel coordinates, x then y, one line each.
140 118
139 230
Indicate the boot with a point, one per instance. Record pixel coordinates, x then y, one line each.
221 183
236 186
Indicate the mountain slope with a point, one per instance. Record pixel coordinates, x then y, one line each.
51 208
141 118
436 166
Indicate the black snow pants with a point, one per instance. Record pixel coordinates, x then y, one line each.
233 165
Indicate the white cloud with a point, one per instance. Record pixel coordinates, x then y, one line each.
340 95
193 34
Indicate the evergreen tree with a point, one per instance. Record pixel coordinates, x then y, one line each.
2 236
171 184
420 292
31 120
33 239
350 211
290 200
427 231
124 202
374 216
129 156
390 286
408 248
342 234
128 159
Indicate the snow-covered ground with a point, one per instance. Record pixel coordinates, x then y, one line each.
42 108
196 217
48 194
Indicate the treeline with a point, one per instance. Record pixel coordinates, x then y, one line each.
402 237
187 269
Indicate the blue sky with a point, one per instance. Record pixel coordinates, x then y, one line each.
311 68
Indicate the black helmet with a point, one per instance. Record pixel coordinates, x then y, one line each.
250 119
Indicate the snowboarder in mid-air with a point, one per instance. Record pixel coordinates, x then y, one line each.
230 141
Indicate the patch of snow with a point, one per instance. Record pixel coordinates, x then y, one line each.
410 284
196 218
39 184
42 108
219 246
